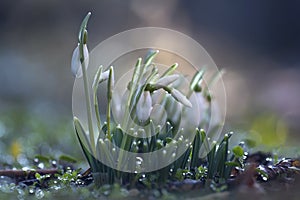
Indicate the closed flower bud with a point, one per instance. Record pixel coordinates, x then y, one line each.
180 98
167 80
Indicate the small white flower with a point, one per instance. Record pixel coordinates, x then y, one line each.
76 64
158 96
180 98
119 102
144 106
158 115
173 109
167 80
105 75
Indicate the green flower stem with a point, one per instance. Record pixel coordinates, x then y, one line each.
88 106
133 86
82 41
96 105
140 90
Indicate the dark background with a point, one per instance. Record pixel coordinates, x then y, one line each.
257 42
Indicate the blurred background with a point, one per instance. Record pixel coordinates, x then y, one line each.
256 42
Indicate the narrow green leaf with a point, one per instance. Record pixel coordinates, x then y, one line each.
196 148
83 28
170 70
197 79
67 158
232 164
149 58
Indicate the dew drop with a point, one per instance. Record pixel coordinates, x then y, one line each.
31 190
54 163
41 165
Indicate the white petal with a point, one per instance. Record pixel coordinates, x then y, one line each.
173 108
158 96
159 115
75 63
144 106
180 98
104 75
167 80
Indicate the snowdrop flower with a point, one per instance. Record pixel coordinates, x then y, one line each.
203 106
199 115
208 114
173 109
176 94
167 80
119 102
102 76
144 106
158 96
105 75
180 98
76 67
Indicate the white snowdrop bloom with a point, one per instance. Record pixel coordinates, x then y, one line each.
167 80
174 109
208 113
144 106
119 102
203 106
158 96
158 115
216 118
104 75
191 117
180 98
76 64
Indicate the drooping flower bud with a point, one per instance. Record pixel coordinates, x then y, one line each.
76 67
144 106
167 80
180 98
